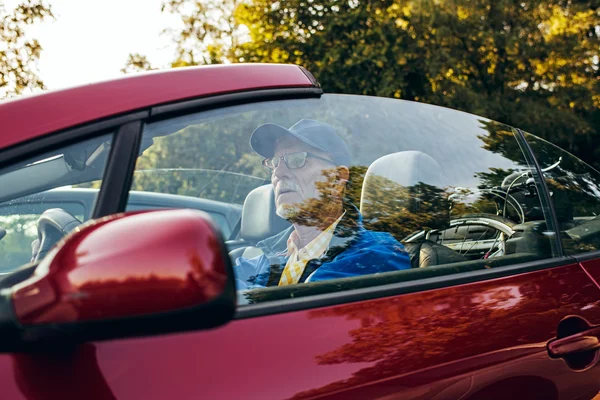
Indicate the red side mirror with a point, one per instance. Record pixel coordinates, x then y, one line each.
129 274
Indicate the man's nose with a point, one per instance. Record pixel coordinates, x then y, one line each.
281 171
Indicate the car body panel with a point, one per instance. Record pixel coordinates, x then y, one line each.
33 116
592 268
468 340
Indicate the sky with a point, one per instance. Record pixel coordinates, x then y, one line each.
89 41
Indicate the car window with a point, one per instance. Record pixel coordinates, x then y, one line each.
574 188
351 190
29 193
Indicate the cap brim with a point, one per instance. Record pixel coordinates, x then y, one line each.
264 138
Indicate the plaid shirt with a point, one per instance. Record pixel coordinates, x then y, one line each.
299 258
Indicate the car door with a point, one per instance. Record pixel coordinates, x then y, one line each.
454 325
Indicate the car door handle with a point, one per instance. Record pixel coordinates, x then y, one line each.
586 340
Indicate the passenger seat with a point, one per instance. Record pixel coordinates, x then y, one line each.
407 169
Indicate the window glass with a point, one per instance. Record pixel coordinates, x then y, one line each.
46 185
574 188
350 190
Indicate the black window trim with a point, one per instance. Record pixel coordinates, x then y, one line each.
579 257
545 193
587 256
172 110
53 141
124 136
118 173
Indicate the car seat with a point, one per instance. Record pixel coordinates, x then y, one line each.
259 221
391 187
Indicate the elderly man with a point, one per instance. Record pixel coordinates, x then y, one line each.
309 171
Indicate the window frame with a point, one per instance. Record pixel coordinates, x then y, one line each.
310 301
545 198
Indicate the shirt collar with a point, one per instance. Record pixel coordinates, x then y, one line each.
314 245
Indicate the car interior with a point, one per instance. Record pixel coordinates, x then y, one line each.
429 258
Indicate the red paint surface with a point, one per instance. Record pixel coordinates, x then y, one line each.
126 265
592 268
34 116
482 340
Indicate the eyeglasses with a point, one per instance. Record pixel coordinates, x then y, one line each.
292 160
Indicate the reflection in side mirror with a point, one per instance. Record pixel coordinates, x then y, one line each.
131 274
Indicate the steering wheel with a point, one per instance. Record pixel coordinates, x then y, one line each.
52 225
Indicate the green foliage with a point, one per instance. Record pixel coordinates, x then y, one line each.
531 64
137 63
198 162
18 54
210 159
402 210
210 33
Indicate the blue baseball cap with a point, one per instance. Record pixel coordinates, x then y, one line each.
316 134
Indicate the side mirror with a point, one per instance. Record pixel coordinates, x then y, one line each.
132 274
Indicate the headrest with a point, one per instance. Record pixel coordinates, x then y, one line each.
393 189
259 220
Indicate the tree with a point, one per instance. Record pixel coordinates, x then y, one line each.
209 34
18 54
136 63
532 64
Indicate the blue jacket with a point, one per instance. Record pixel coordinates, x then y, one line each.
353 251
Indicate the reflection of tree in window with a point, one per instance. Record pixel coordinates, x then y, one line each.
575 190
401 210
387 334
210 159
501 140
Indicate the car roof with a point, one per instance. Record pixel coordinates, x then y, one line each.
29 117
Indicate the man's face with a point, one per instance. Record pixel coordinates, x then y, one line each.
294 187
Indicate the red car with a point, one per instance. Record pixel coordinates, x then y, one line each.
126 207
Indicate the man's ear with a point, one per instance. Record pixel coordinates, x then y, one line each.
343 174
